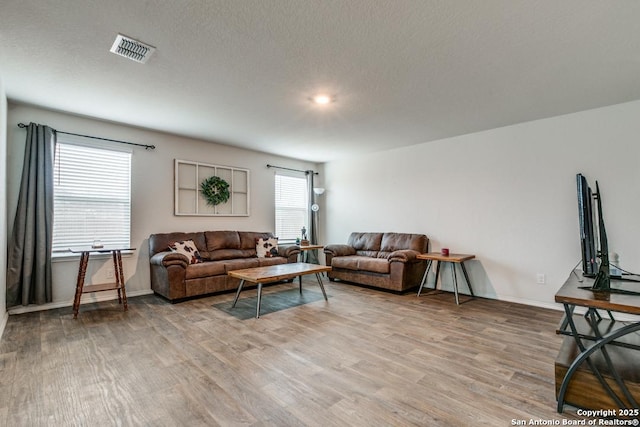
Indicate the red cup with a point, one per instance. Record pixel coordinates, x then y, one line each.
445 251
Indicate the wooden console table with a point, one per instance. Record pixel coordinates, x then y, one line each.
118 285
598 366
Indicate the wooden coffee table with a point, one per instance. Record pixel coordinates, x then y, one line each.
275 273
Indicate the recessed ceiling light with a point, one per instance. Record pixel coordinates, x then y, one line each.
323 99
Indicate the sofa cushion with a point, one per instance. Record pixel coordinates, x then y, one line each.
223 254
396 241
365 241
240 264
217 240
248 239
187 248
349 262
375 265
267 248
364 263
161 242
264 262
205 269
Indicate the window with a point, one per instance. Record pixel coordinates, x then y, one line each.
292 206
92 196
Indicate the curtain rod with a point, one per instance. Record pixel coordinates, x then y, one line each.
295 170
146 147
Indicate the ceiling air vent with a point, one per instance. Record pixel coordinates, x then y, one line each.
132 49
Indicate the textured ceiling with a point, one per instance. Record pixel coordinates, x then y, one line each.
240 72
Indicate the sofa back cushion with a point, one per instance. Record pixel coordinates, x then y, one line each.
380 245
396 241
224 245
212 245
249 239
217 240
365 244
160 242
232 244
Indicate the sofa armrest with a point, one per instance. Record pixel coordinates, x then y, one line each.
403 255
288 250
339 250
168 258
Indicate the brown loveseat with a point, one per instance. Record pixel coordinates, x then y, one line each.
383 260
173 277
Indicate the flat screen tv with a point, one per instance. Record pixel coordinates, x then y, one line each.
587 231
593 239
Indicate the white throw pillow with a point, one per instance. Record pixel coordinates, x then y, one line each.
187 248
267 248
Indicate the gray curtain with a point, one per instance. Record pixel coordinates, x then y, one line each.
29 251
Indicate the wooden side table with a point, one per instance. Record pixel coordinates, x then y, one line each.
451 258
304 255
118 285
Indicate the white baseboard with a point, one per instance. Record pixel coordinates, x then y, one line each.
86 299
541 304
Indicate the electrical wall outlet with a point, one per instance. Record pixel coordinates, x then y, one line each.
540 279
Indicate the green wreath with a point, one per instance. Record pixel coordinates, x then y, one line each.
215 190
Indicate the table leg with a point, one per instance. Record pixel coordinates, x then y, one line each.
321 286
120 280
435 283
238 293
455 281
259 298
82 271
300 282
466 277
425 276
116 273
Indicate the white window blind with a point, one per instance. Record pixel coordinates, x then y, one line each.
92 197
292 206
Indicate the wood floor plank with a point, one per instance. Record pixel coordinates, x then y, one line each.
363 358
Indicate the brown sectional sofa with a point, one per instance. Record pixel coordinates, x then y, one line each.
175 279
383 260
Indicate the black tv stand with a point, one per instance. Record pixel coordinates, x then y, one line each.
597 364
627 278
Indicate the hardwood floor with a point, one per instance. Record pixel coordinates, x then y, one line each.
365 358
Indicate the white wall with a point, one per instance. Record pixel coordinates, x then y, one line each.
507 195
152 191
3 205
